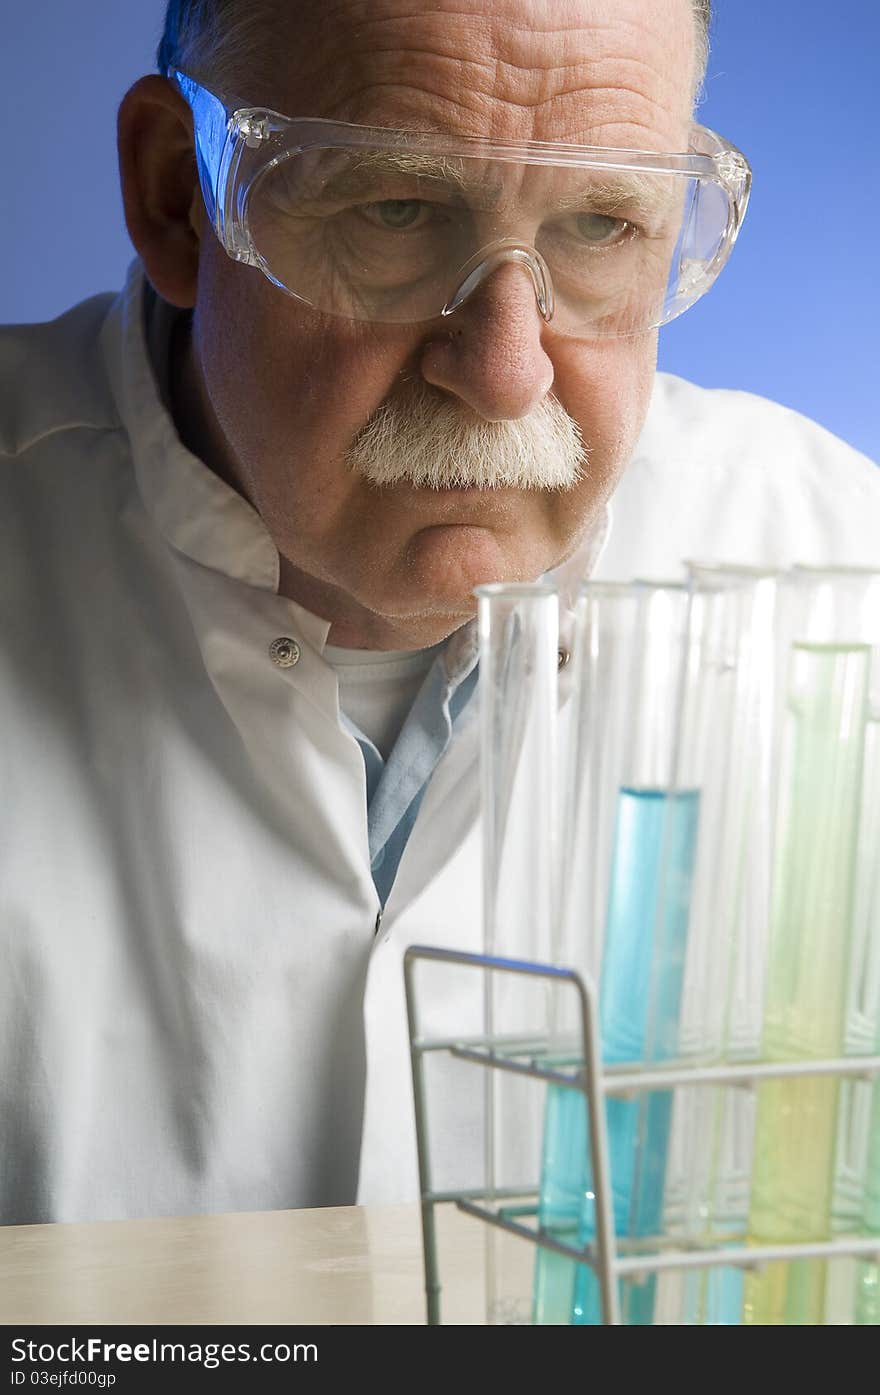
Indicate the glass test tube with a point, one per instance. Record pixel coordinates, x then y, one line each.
810 974
629 848
518 628
728 730
590 802
846 602
867 1296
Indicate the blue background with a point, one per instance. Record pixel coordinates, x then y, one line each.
794 83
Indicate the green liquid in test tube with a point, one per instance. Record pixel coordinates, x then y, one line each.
811 915
868 1291
642 968
867 1298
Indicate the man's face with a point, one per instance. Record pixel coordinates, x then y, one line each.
286 393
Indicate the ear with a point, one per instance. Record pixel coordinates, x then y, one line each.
164 212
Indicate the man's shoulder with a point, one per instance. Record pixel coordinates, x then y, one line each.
724 474
53 377
688 425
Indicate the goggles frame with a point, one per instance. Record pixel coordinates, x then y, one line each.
236 143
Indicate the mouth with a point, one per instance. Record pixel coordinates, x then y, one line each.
461 503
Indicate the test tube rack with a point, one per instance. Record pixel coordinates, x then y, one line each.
609 1259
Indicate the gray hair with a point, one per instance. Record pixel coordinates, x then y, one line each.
223 42
703 21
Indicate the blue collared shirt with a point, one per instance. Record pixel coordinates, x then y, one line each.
396 786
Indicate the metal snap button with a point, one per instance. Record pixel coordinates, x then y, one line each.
284 652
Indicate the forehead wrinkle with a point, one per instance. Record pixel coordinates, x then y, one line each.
460 62
630 49
613 121
507 84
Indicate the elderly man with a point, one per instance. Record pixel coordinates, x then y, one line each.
391 333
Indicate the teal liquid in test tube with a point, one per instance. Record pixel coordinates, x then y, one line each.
645 938
640 994
630 837
565 1183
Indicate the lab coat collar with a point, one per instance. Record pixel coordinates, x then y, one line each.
197 513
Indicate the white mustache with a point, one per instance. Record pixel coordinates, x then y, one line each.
423 438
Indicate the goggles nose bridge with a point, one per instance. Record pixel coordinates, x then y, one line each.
485 262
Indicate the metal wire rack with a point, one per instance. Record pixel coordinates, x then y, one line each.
515 1209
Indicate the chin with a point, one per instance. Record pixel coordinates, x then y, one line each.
445 563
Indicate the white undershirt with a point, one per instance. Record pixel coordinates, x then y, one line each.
377 688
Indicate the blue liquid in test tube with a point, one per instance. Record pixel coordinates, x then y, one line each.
564 1184
640 995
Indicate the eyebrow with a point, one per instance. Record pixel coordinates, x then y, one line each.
609 194
433 171
642 196
442 168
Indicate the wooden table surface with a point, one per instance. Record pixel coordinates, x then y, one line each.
337 1265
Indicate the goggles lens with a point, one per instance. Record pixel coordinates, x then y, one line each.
370 235
398 227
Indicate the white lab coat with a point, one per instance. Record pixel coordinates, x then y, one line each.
187 916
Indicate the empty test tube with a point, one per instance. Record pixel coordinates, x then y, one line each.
518 629
711 1148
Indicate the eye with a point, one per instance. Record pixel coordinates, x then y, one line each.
396 214
599 230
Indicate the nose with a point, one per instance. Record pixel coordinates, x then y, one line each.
491 356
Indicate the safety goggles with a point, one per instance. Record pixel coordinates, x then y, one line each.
399 227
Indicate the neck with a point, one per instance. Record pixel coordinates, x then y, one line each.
192 412
353 626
